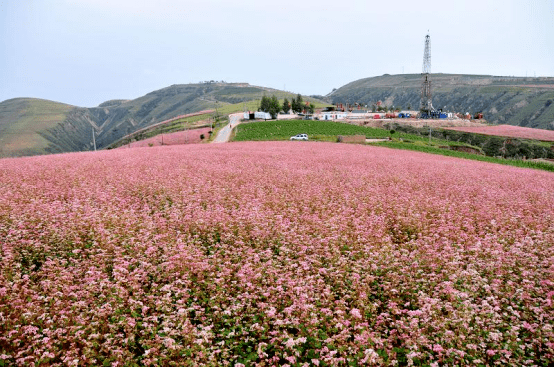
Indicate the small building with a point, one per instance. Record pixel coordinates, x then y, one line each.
262 115
333 115
249 115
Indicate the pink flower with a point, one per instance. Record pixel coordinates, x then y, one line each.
438 348
356 313
206 247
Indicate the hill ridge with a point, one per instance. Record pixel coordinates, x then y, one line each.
54 127
523 101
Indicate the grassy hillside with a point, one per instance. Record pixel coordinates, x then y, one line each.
32 126
503 100
215 119
24 122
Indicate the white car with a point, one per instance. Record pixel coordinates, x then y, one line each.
299 137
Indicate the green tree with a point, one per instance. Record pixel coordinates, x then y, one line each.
274 107
311 108
297 104
265 104
294 105
286 105
300 102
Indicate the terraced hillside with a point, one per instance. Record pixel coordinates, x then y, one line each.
503 100
32 126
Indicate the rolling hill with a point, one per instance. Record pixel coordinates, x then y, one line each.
503 100
32 126
24 122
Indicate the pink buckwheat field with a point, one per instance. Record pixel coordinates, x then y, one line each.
274 253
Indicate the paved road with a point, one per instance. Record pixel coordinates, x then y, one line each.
225 132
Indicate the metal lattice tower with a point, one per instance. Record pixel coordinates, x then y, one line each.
426 104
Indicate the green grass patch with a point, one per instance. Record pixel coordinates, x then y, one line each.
278 130
470 156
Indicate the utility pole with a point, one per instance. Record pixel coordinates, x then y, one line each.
93 139
429 134
186 132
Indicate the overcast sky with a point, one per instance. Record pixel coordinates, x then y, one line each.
88 51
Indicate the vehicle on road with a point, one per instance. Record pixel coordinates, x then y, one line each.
299 137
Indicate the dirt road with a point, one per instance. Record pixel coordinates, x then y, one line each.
225 133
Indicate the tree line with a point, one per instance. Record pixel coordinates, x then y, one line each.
272 105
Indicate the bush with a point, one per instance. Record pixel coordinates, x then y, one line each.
493 147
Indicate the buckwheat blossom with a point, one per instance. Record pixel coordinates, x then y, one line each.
510 131
274 253
356 313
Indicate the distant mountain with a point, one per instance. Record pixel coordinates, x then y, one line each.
503 100
32 126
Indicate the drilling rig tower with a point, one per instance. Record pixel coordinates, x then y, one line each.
426 105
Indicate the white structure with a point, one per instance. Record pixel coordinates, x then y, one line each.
262 115
333 115
258 115
359 114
